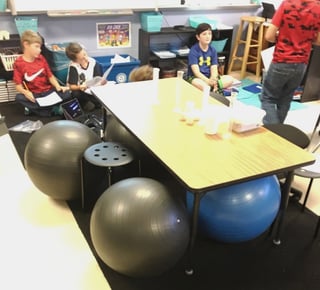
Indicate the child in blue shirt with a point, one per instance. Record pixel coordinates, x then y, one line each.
203 62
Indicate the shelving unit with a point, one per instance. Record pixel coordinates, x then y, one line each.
7 91
176 37
7 87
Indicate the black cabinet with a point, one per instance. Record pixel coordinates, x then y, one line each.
176 37
311 91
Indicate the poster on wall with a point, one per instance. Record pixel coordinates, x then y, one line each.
114 35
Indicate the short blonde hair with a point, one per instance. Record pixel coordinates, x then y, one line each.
142 73
30 37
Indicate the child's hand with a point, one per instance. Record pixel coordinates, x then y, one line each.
30 97
83 87
65 89
214 84
215 87
62 88
103 82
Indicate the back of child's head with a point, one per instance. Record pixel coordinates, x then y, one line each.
202 27
30 37
72 50
142 73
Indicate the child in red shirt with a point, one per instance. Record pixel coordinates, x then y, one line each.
33 77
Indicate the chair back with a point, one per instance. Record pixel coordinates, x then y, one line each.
291 133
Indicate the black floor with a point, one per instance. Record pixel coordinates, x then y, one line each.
253 265
14 115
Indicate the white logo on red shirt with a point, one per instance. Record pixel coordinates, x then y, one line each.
32 77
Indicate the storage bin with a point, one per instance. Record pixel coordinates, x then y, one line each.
151 21
57 59
219 44
26 23
121 71
8 61
194 21
8 56
3 5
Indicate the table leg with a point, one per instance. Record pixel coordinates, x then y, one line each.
283 206
104 120
83 186
194 228
317 229
109 176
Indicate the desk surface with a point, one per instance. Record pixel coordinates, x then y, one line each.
200 161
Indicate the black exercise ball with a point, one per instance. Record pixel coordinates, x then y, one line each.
52 157
138 228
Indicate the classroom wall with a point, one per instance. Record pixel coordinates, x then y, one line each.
83 29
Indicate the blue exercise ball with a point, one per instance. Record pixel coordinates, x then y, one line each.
239 212
138 229
52 157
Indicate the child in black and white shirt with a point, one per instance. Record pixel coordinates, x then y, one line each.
82 69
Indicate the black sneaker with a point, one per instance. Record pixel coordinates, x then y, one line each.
57 110
89 106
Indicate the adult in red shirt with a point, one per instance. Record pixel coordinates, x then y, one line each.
294 28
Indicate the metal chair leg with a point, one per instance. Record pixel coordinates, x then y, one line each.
109 176
317 228
304 205
307 195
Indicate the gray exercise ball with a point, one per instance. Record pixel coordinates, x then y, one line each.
138 229
52 157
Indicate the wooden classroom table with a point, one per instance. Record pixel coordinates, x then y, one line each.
201 162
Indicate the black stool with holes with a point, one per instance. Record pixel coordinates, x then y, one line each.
105 154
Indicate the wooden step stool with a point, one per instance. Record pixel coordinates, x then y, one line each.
249 56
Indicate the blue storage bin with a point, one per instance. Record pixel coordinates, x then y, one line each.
3 5
151 21
57 60
219 44
121 71
194 21
26 23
